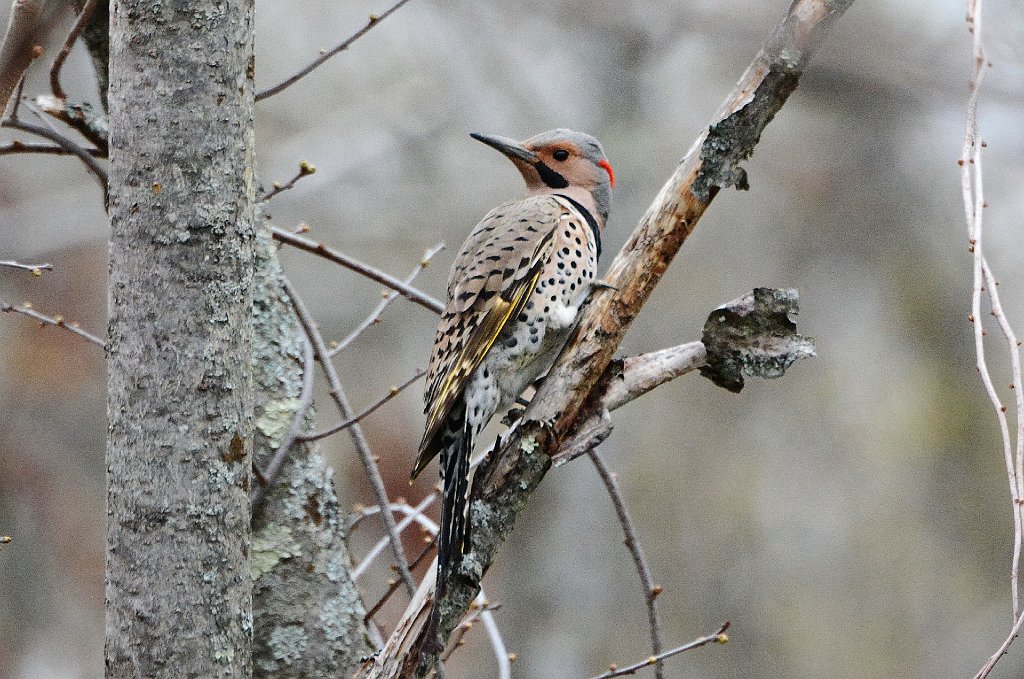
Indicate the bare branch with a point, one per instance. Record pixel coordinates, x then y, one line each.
19 47
719 637
985 283
45 149
268 475
358 439
374 20
643 569
84 17
375 315
393 392
85 155
305 169
56 321
330 254
34 269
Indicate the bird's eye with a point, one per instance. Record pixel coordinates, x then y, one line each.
560 155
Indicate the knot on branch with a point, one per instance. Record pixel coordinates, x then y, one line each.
753 335
732 139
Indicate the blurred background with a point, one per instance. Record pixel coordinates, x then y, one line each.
851 519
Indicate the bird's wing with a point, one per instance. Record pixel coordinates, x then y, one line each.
491 281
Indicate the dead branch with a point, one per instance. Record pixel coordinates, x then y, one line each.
504 485
985 284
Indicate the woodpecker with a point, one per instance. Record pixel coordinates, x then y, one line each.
513 296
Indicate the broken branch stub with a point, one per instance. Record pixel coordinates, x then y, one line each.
753 336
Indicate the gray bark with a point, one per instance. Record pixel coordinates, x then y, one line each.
308 614
180 399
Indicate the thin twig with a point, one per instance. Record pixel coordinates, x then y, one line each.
55 321
393 585
316 63
83 19
501 653
719 637
358 439
330 254
476 612
34 269
632 542
268 475
305 169
85 155
46 149
411 514
375 315
985 283
1001 651
393 392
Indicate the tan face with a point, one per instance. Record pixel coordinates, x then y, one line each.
566 159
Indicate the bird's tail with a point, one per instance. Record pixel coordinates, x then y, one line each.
454 533
453 537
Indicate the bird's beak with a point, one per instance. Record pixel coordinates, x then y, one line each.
510 147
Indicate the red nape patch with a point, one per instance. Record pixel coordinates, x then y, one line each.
608 168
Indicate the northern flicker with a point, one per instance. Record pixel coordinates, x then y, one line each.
513 296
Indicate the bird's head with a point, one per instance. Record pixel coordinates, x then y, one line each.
562 161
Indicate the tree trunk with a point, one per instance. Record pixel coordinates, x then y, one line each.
180 405
308 614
